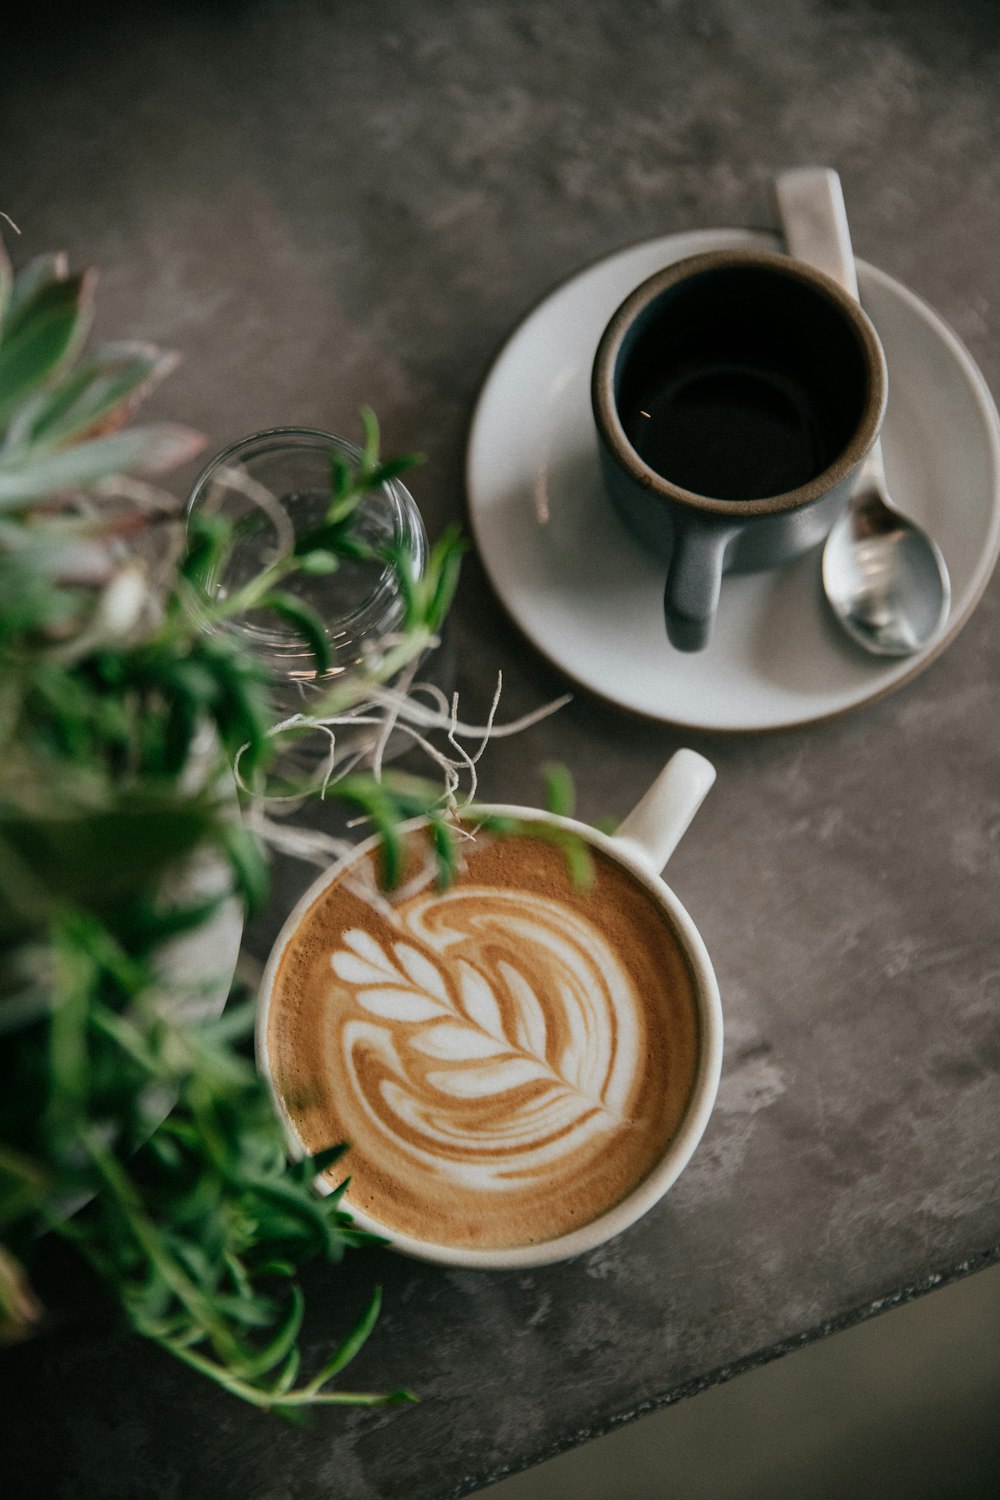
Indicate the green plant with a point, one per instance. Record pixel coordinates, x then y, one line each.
109 672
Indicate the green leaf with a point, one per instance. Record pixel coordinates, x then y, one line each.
445 845
138 450
302 1214
384 473
580 861
347 545
99 390
372 436
305 620
241 706
29 281
308 1167
251 1313
276 1267
40 334
30 601
148 1301
351 1345
149 924
75 977
24 1183
286 1376
427 599
444 568
341 485
319 562
390 852
411 587
100 861
278 1348
388 802
208 542
559 790
346 498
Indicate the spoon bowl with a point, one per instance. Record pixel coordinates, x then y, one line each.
883 576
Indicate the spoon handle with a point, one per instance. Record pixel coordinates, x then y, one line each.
816 231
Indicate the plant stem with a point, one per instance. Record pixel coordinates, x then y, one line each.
150 1243
264 1398
349 692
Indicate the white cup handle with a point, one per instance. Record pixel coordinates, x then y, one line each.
658 822
814 222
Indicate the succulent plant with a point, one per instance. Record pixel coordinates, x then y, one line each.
74 497
61 415
196 1223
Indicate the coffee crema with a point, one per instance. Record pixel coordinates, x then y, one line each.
507 1058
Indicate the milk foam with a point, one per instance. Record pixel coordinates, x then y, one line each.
506 1033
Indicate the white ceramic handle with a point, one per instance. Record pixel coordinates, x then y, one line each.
656 825
814 222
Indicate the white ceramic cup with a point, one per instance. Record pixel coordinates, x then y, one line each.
642 845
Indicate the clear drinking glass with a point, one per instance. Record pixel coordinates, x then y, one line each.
277 484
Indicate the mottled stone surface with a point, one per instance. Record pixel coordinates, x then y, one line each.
324 204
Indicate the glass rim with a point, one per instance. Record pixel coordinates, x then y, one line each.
408 527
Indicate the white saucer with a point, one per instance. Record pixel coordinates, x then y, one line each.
591 600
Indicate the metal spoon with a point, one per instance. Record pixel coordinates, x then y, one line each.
883 576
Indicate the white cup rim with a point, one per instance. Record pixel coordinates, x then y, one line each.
683 1142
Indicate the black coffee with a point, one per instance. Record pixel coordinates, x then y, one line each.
731 432
740 384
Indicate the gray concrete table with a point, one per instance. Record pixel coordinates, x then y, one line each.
326 204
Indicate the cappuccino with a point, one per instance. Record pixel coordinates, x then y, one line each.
507 1058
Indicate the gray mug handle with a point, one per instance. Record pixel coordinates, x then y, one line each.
691 596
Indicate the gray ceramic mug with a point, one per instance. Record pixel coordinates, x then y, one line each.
735 394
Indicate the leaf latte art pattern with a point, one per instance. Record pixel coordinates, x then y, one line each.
506 1059
490 1035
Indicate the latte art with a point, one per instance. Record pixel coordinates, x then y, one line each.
506 1058
497 1037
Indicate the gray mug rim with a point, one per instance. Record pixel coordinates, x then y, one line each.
609 423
